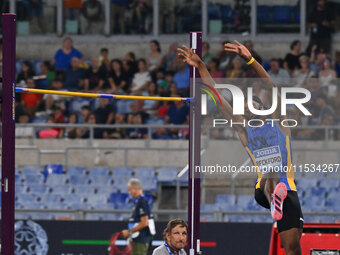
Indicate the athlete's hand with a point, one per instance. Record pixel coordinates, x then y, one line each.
189 55
125 233
239 49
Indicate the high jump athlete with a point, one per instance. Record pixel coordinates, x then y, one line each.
275 190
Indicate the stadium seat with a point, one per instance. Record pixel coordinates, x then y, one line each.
76 170
264 14
73 198
333 174
51 199
327 219
314 175
97 199
313 203
84 190
39 189
144 172
120 183
329 183
33 179
316 192
208 207
167 175
62 190
31 170
32 205
56 179
262 218
228 199
207 217
20 188
23 198
99 170
227 207
100 180
239 218
226 13
214 12
119 199
78 206
79 180
281 14
104 189
243 201
149 184
296 15
311 219
53 169
122 171
306 183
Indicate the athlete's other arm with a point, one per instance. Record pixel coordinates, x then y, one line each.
243 52
194 60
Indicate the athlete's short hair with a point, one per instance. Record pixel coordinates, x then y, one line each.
172 224
134 182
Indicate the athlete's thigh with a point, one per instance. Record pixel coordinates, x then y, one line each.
290 238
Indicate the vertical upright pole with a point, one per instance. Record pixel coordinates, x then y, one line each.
194 151
8 134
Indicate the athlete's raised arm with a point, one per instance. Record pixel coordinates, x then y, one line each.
194 60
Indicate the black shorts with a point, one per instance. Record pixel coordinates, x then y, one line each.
292 214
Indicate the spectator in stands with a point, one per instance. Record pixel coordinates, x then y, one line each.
48 71
175 236
206 55
225 58
249 45
321 22
279 75
58 117
182 77
236 71
117 78
136 133
49 132
167 9
30 101
24 132
62 58
104 61
291 61
74 76
170 57
85 113
51 100
173 91
213 68
142 9
162 82
139 220
177 114
324 108
327 75
116 133
150 106
316 60
141 79
94 77
118 8
130 58
36 15
71 132
301 77
155 59
92 11
86 133
105 113
26 72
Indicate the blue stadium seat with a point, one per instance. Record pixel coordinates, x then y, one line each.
264 14
31 170
20 188
239 218
78 206
296 15
73 198
34 179
53 169
281 14
306 183
311 219
243 201
262 218
56 179
207 217
329 183
62 190
313 203
32 205
314 175
79 180
208 207
144 172
120 183
226 13
149 184
99 170
84 190
100 180
167 175
333 174
327 219
41 216
119 199
316 191
97 199
229 199
24 198
122 171
76 170
300 192
51 198
39 189
332 192
214 12
227 207
105 189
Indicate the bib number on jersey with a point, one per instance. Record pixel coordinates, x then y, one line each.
268 159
